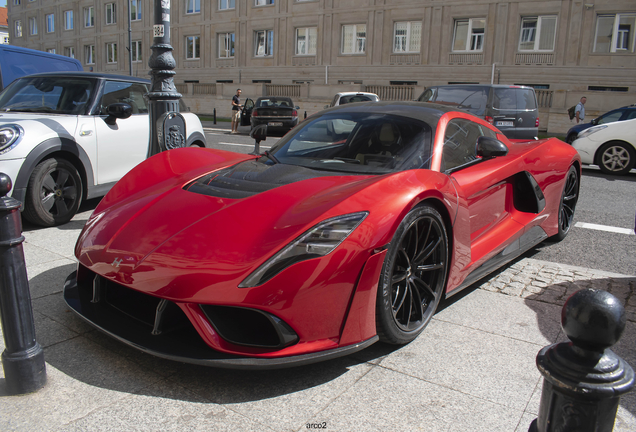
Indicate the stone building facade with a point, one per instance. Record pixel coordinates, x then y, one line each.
311 49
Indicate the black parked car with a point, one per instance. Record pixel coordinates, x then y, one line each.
278 113
619 114
512 109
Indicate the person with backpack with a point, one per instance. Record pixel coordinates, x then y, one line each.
580 110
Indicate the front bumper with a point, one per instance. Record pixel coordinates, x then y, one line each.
182 343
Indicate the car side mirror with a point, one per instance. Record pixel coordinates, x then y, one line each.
488 148
116 111
594 122
259 133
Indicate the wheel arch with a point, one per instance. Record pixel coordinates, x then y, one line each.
198 139
55 147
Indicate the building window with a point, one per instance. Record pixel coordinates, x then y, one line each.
136 51
111 53
354 38
89 16
17 2
193 47
226 4
226 45
469 34
50 50
68 20
6 39
89 54
135 10
18 28
407 36
33 26
263 2
263 43
615 33
306 39
538 33
111 13
50 23
69 52
193 6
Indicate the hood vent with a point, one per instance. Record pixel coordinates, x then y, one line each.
250 178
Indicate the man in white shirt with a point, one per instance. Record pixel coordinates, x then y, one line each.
580 110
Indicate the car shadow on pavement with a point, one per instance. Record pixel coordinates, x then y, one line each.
87 355
622 288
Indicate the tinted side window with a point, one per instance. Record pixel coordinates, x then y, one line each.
125 92
514 99
460 143
427 96
469 98
610 117
526 99
631 115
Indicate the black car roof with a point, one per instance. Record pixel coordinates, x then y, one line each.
424 111
90 75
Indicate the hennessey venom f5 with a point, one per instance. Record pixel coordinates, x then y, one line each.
351 229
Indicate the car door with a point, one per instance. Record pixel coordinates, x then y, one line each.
123 145
483 190
246 112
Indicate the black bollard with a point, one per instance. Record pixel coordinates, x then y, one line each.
584 379
23 357
305 114
214 115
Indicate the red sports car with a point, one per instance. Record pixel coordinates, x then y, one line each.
351 229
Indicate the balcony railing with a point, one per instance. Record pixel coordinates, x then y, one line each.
544 98
404 59
203 89
388 93
534 58
466 58
182 88
304 61
289 90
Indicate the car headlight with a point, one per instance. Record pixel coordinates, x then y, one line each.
590 131
318 241
9 137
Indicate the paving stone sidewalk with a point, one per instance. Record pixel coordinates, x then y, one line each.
473 368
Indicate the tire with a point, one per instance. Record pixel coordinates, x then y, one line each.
54 193
569 198
571 137
616 157
413 276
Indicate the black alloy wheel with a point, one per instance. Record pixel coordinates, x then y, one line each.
616 158
54 193
569 199
413 276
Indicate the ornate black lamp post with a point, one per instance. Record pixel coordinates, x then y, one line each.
167 126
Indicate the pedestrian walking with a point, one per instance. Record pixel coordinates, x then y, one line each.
580 110
236 111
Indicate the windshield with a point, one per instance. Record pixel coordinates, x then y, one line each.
358 98
357 143
273 102
58 95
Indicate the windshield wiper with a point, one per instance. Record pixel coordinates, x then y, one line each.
271 157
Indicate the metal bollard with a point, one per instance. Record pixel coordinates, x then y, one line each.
214 115
23 357
305 114
584 379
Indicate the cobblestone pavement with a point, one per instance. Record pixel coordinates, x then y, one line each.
555 283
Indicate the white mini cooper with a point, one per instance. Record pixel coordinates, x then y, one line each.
59 145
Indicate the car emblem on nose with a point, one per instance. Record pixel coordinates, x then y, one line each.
116 262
